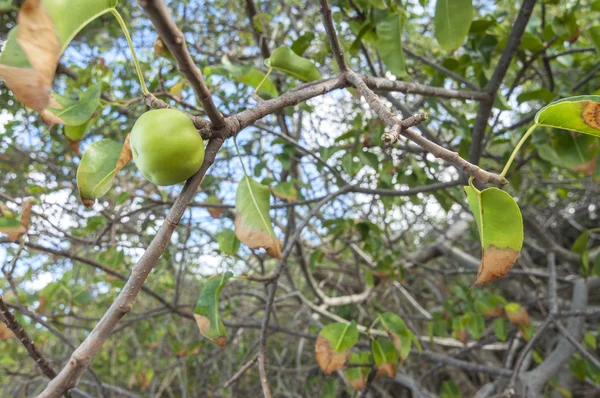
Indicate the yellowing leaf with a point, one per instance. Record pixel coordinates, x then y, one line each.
206 312
176 89
14 229
99 165
333 345
39 41
580 114
215 212
252 220
500 226
517 314
286 191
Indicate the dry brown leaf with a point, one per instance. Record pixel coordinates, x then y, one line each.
387 369
495 312
160 48
327 358
254 238
5 332
215 212
38 38
49 118
13 234
461 335
125 156
495 264
74 146
520 317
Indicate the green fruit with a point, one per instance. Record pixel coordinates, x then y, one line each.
166 146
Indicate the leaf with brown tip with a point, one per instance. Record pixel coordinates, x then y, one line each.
39 41
333 345
252 220
206 312
500 226
13 228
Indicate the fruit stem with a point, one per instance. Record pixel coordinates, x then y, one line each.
516 150
135 60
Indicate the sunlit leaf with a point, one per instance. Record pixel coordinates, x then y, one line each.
77 112
333 345
500 226
206 312
400 335
500 329
452 21
252 220
33 47
580 114
302 43
100 163
287 61
286 191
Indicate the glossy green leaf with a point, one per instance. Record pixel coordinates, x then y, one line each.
252 220
452 22
385 356
206 312
389 43
285 60
500 226
98 167
580 114
228 242
357 375
77 112
333 345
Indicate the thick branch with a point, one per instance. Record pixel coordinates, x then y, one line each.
175 41
333 39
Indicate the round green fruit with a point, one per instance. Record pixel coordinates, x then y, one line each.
166 147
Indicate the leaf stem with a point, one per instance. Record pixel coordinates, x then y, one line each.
262 81
237 150
135 60
517 148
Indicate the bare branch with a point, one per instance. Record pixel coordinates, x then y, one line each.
332 36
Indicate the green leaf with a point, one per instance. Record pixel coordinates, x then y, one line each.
385 356
542 94
474 324
581 243
252 220
449 389
286 191
389 43
500 226
78 112
452 22
206 312
76 133
576 151
400 335
333 345
100 163
501 103
580 114
357 375
228 242
301 44
500 329
251 77
595 36
285 60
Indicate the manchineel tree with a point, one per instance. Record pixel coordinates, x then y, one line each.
288 198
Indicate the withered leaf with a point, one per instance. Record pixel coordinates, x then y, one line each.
328 359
